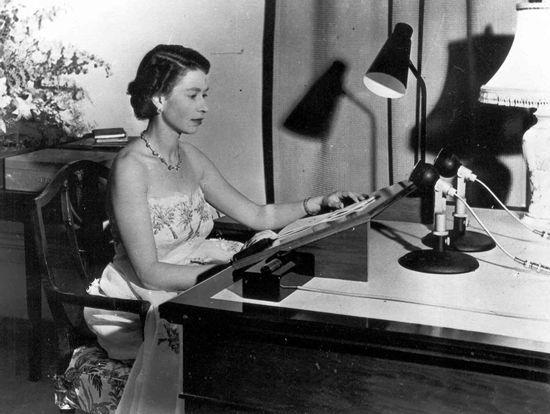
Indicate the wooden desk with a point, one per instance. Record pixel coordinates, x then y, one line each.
18 205
467 343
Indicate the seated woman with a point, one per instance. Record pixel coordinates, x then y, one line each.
161 190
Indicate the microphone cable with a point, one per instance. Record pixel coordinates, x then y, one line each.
542 233
525 263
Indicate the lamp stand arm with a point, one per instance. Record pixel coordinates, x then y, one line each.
422 122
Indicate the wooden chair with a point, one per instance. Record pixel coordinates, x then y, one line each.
75 245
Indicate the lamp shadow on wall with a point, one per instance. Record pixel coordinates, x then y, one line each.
477 133
313 116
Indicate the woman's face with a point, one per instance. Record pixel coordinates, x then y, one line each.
185 107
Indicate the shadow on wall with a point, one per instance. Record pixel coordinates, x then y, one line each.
313 115
477 133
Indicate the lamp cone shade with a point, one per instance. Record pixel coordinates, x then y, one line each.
313 114
523 80
387 76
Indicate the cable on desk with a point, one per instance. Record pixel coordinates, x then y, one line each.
541 233
525 263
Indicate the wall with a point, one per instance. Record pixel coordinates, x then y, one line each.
228 32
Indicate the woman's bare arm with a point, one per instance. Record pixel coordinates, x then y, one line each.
231 202
131 210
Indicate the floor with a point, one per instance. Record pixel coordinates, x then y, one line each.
17 394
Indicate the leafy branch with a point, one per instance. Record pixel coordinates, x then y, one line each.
38 79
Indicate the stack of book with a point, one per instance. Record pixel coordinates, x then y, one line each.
109 137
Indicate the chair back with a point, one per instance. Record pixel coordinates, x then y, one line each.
75 244
74 241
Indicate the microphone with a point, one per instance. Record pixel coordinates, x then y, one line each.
439 259
449 166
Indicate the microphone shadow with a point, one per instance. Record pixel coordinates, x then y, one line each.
397 235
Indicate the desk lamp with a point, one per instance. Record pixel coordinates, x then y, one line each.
523 80
437 260
448 165
387 76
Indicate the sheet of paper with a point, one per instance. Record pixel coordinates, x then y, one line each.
299 226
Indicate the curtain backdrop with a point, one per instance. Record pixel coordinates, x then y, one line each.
461 45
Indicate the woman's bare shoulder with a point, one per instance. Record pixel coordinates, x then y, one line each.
190 149
130 163
195 155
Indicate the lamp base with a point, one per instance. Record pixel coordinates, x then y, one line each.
439 262
463 241
536 152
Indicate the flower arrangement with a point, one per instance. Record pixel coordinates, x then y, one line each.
38 88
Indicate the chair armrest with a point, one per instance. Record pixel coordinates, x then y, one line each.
136 306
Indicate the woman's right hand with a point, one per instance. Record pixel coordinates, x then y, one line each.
332 201
264 234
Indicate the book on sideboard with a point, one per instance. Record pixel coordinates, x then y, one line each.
109 136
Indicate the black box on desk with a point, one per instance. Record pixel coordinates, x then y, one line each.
32 171
277 277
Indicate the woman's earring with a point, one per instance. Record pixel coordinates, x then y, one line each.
159 110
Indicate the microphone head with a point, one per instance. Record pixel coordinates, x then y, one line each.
446 163
424 176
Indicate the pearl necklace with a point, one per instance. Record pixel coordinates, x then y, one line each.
160 157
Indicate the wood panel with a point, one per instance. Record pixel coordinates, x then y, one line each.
282 377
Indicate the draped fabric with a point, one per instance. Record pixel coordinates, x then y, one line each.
457 45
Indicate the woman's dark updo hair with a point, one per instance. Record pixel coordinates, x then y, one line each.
158 73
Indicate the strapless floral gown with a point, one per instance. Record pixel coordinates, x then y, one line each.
181 224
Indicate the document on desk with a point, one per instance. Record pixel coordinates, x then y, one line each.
298 228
